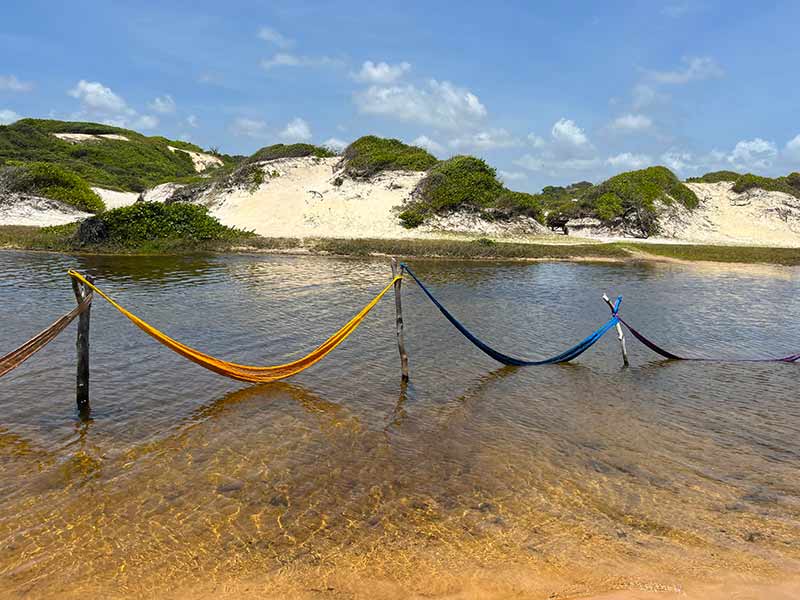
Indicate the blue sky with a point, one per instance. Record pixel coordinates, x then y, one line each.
548 93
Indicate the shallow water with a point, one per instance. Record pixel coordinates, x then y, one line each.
580 478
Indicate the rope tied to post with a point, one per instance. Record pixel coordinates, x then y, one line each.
252 374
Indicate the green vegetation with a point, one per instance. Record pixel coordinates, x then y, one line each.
789 185
133 165
370 155
742 183
290 151
466 182
148 221
50 181
715 177
736 254
631 197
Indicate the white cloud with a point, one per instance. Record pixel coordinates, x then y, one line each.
163 104
679 161
268 34
97 98
284 59
440 104
531 162
793 147
9 83
577 164
646 95
485 140
628 160
192 121
756 153
8 116
697 68
381 72
296 130
511 175
565 131
536 141
335 144
632 122
432 146
145 122
245 127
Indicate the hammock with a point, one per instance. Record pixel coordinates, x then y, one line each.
565 356
245 372
15 358
667 354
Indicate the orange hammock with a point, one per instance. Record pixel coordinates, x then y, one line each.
15 358
245 372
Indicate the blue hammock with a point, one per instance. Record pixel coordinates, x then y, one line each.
565 356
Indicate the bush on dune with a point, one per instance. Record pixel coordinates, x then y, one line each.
133 165
148 221
634 196
715 177
370 155
51 181
290 151
466 182
788 185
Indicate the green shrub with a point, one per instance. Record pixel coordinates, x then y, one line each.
608 207
461 181
715 177
510 204
51 181
637 194
290 151
370 155
793 181
413 216
133 165
748 181
147 221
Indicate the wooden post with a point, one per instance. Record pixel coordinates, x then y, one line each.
401 345
620 334
82 345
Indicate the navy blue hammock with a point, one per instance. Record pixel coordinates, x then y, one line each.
565 356
582 346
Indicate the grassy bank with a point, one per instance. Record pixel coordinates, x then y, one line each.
729 254
62 239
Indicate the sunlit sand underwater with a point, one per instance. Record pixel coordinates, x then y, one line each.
473 481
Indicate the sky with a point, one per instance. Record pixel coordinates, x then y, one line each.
548 93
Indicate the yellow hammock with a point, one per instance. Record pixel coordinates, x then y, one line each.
245 372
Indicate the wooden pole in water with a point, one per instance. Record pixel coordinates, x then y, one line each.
82 345
401 345
620 334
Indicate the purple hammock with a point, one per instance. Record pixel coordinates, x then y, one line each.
667 354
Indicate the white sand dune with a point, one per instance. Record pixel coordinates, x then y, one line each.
201 160
115 199
300 199
755 217
19 209
79 138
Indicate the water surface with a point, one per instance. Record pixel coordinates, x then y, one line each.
566 479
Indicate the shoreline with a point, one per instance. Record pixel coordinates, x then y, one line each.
32 239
